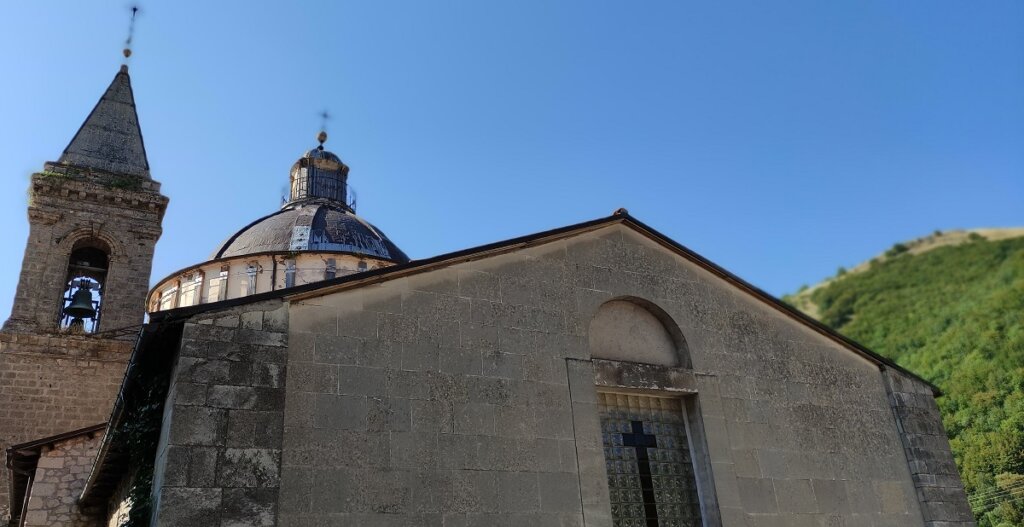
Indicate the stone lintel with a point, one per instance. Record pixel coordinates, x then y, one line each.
631 375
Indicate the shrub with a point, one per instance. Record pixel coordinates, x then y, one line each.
952 315
896 250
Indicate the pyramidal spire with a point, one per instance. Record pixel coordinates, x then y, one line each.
110 138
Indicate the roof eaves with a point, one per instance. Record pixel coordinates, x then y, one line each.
40 443
620 216
385 273
444 260
776 303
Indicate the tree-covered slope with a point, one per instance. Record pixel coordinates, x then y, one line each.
955 315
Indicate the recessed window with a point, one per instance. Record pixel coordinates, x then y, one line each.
647 455
169 298
250 274
191 285
219 285
289 273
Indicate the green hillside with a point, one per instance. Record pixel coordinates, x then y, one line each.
954 314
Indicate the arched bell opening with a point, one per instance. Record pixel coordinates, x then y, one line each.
86 276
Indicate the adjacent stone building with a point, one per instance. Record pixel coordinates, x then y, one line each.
598 374
48 475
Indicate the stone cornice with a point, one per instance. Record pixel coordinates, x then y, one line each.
130 192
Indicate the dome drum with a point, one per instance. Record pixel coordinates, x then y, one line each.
230 278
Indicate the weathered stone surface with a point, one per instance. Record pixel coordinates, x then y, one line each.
189 507
220 457
931 462
248 468
248 508
60 476
51 384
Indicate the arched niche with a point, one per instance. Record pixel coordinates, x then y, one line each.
631 329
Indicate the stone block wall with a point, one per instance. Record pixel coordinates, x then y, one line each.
60 476
218 462
939 489
414 401
403 410
54 384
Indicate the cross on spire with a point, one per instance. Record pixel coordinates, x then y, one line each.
131 33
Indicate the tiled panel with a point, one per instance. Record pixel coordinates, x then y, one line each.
650 473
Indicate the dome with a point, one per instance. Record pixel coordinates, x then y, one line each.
312 226
317 217
315 236
320 153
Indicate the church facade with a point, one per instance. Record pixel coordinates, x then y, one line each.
309 373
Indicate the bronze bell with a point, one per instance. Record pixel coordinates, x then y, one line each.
81 304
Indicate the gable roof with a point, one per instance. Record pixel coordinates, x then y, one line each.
620 216
22 460
110 139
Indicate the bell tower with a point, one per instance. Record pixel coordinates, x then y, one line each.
94 219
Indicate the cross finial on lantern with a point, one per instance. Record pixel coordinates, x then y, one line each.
322 136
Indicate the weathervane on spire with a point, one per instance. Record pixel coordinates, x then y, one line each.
322 136
131 33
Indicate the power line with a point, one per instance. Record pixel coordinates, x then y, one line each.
998 490
988 501
1014 500
997 497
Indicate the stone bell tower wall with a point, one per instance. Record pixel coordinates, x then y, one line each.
121 212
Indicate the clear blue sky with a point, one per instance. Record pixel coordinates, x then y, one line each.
779 139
